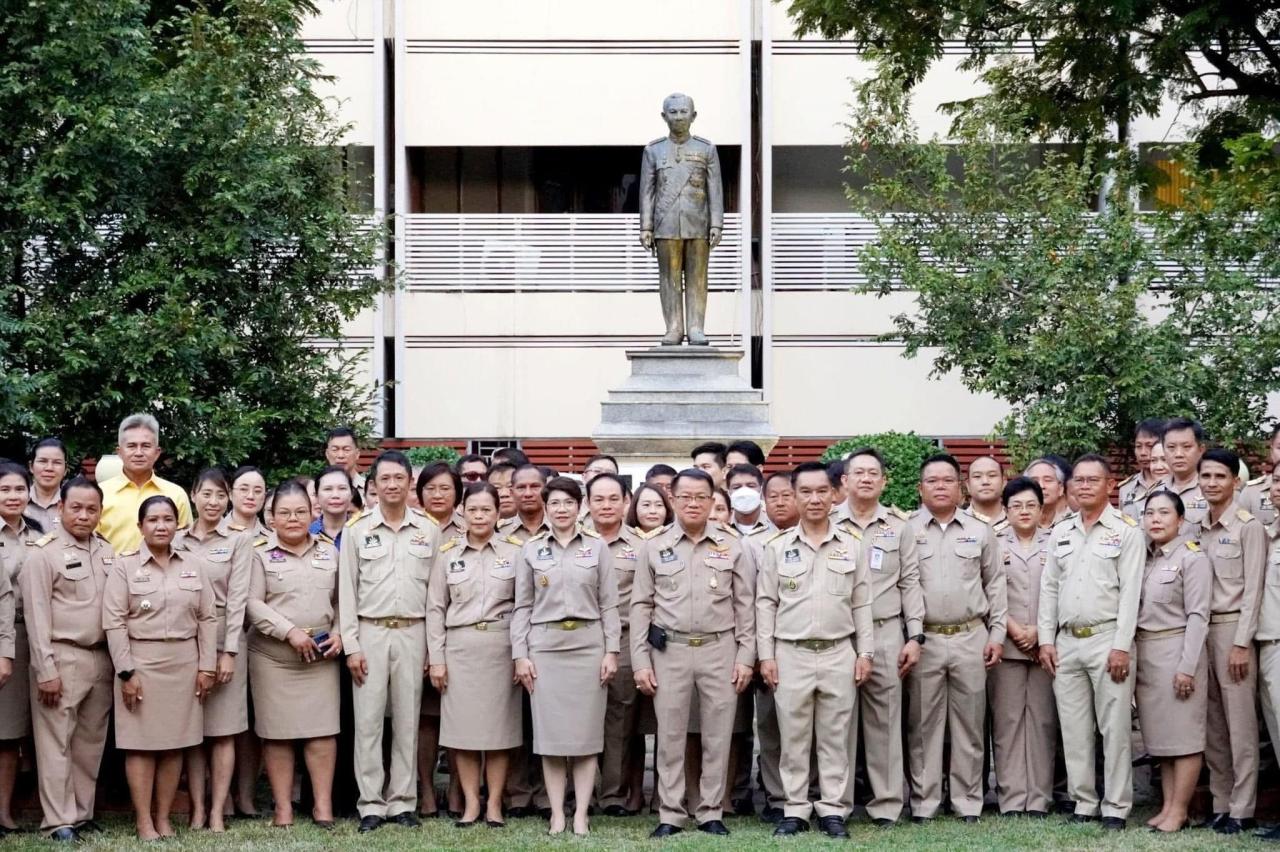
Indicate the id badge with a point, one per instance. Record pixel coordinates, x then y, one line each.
877 559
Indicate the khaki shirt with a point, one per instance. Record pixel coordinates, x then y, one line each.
255 530
13 552
1197 508
227 555
288 590
1269 617
1133 495
382 571
998 523
143 601
1022 570
8 634
1092 578
557 583
814 590
1177 585
627 552
49 515
62 583
513 526
1256 498
469 585
960 572
893 565
1237 549
694 585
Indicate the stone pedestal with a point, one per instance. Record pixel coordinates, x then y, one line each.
676 398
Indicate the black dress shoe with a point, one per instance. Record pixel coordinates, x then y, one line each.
832 826
1081 818
406 819
465 823
1231 825
771 815
921 820
518 812
744 807
370 823
495 823
971 819
665 829
1272 836
788 826
89 825
1037 814
1211 821
1113 824
545 813
713 826
617 811
65 835
1066 806
884 822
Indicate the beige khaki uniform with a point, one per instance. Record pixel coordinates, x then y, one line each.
622 713
813 605
1134 492
49 514
701 592
382 603
1173 624
1089 594
15 695
897 610
1024 720
1256 499
1268 637
1237 549
292 699
965 603
753 540
1197 508
62 583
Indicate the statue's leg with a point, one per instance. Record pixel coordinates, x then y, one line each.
696 255
670 262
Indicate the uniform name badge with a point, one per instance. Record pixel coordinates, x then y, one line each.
276 556
666 554
220 551
791 556
544 552
373 540
187 575
877 559
458 566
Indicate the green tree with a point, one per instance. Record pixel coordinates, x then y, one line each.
422 456
175 232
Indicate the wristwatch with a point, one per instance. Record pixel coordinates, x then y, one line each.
125 675
867 655
918 638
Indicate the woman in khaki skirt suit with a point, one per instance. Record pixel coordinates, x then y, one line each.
1173 668
439 490
15 691
162 629
226 555
565 633
293 653
469 598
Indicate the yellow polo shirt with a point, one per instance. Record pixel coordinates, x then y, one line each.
120 501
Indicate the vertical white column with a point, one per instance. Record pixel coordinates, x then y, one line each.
379 212
766 199
745 170
402 207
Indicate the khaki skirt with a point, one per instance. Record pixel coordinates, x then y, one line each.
480 709
568 701
1171 726
226 710
169 716
292 700
15 695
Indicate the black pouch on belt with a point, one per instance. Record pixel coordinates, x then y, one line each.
657 638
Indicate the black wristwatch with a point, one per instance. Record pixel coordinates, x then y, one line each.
918 638
125 675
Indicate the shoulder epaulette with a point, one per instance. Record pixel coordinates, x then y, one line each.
539 537
1192 546
894 510
588 533
45 539
700 139
448 545
352 522
259 541
645 535
779 534
513 540
1127 480
1259 481
656 141
320 536
1130 521
731 531
1244 514
133 552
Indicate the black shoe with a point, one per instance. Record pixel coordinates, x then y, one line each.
665 829
1273 835
713 826
617 811
1113 824
1037 814
1066 806
519 812
832 826
1211 821
884 822
1231 825
65 835
495 823
370 823
1010 814
324 824
921 820
545 813
744 807
1081 818
971 819
788 826
89 826
406 819
465 823
771 815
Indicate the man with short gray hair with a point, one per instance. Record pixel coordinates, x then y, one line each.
138 445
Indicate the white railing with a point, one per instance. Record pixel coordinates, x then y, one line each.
504 252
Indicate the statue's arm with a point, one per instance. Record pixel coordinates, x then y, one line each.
648 189
715 190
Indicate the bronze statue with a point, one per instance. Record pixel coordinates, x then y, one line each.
681 215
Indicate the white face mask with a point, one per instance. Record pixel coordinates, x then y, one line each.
745 500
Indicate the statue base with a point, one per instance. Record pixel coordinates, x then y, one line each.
676 398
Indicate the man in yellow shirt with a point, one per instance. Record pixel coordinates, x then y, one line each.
139 448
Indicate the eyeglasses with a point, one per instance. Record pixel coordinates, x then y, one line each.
562 504
295 514
701 499
438 489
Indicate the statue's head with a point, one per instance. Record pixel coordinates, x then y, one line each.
678 112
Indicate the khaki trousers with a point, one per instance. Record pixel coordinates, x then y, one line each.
817 702
1090 701
621 724
1024 725
880 703
1231 747
1269 687
770 748
394 682
70 738
947 694
681 670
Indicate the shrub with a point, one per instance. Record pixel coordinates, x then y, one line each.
903 452
421 456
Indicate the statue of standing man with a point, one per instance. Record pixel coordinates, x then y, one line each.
682 216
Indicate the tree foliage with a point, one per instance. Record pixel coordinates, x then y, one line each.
903 454
175 234
423 456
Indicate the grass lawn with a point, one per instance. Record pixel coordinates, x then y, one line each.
632 833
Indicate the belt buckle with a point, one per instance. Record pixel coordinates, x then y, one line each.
569 624
482 625
948 629
695 641
391 623
1082 632
310 631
